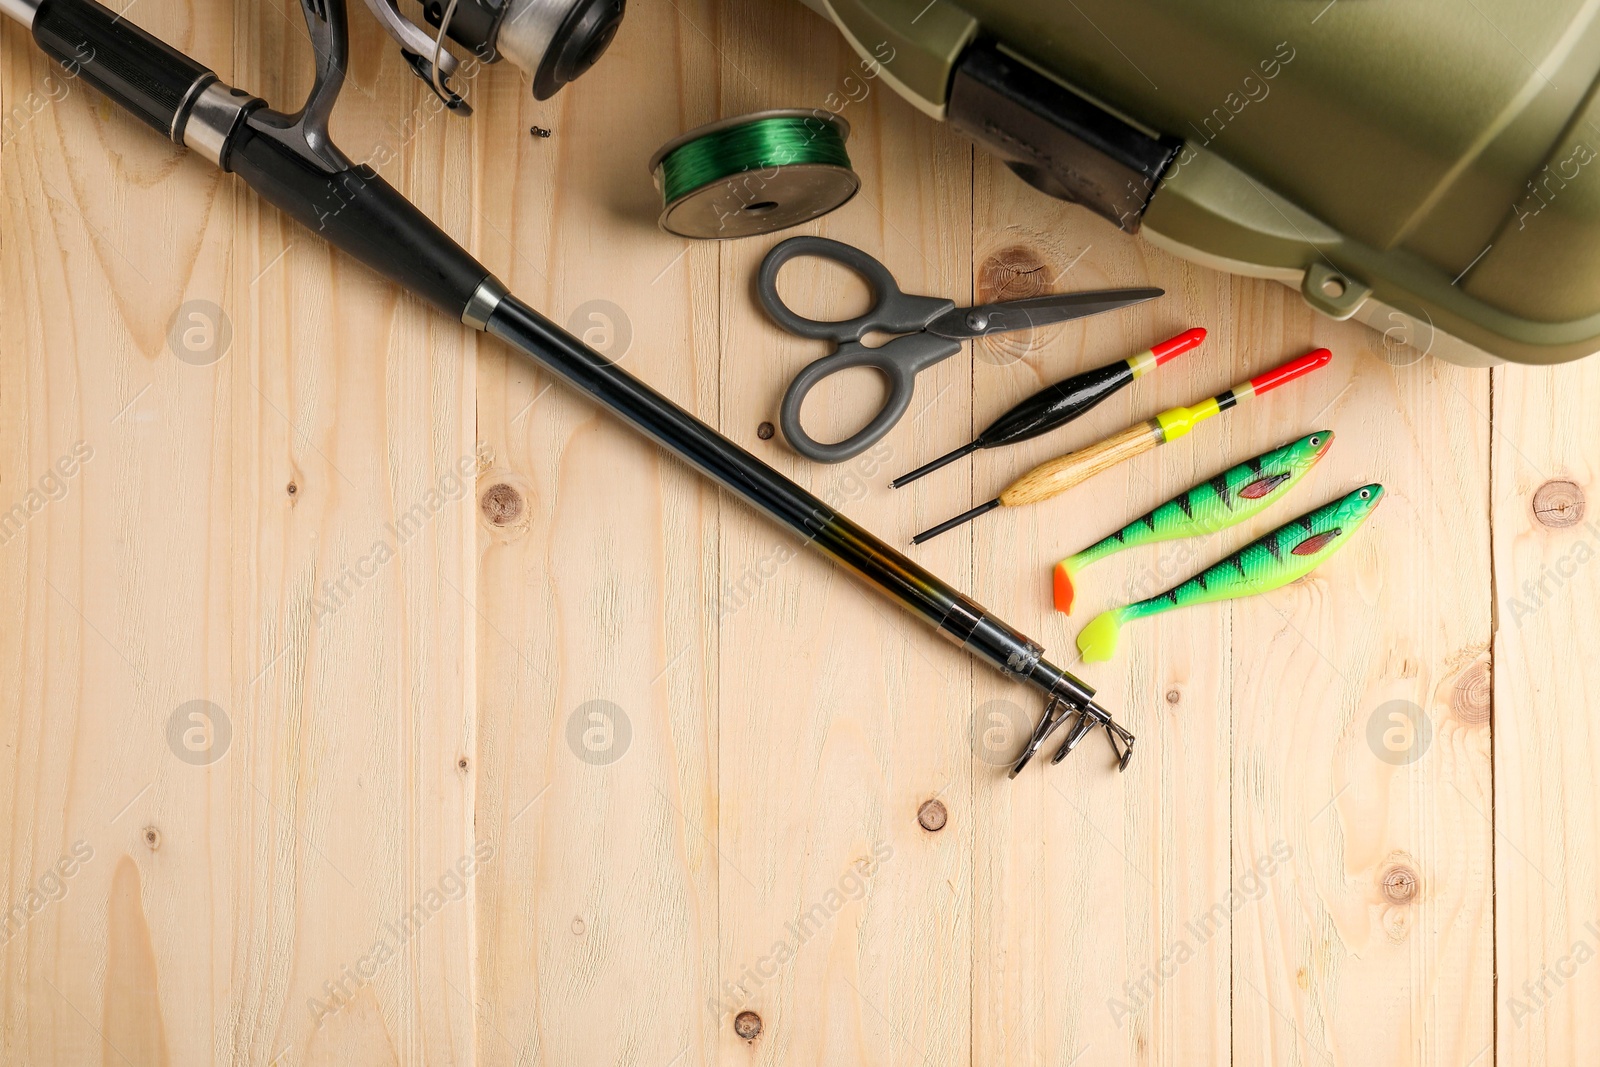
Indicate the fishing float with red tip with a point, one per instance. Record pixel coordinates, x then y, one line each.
1060 403
1062 473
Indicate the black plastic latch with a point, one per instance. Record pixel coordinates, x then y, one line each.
1057 141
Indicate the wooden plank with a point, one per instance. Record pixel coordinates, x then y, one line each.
1355 764
844 924
251 867
1087 879
597 585
1196 891
1546 805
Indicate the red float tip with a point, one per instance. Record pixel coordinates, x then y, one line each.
1177 346
1290 371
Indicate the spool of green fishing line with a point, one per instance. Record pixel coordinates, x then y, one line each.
772 142
754 174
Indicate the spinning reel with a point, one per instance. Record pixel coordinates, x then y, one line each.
553 40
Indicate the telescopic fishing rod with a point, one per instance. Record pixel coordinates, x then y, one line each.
291 163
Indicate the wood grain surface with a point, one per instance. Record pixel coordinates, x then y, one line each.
367 698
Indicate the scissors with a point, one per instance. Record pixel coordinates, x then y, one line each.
933 330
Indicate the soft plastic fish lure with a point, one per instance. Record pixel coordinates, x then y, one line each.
1230 498
1291 551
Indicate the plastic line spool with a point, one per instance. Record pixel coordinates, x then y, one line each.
754 174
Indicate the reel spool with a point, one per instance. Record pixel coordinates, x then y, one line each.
754 174
553 40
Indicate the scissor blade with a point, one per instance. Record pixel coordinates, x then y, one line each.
1034 311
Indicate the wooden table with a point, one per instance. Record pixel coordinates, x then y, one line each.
518 743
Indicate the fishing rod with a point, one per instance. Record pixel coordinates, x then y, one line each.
290 161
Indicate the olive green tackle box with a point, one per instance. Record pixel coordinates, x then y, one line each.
1427 167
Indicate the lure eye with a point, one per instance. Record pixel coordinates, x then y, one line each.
1366 494
1315 439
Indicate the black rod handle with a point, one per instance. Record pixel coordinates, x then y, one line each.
357 211
145 75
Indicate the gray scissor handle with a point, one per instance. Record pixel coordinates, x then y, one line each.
899 361
892 311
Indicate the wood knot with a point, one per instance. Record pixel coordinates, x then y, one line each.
462 764
747 1024
505 503
1472 699
1173 696
933 815
501 504
1399 884
1558 503
152 837
1012 273
765 431
292 489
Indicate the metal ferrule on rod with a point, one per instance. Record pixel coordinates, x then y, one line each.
20 10
208 123
484 300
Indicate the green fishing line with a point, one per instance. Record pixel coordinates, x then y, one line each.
759 145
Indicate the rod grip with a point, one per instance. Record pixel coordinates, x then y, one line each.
357 211
1062 473
143 74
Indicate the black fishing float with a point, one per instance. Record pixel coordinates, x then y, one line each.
1058 404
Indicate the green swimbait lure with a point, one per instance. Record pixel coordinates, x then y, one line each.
1230 498
1291 551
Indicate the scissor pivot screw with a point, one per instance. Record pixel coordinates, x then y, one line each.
978 321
